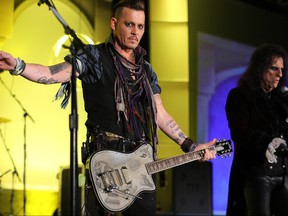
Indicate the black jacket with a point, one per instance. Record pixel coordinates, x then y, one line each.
255 118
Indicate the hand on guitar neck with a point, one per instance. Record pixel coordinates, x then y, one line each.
208 154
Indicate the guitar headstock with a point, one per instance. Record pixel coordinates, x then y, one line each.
223 148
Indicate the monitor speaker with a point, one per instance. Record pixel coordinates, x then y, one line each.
65 193
192 189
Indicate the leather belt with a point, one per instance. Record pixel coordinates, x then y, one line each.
108 140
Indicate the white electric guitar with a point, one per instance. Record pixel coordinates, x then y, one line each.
118 178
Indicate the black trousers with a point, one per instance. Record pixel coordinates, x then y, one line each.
266 196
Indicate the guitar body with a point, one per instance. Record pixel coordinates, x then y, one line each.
118 178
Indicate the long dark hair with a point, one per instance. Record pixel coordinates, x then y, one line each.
260 61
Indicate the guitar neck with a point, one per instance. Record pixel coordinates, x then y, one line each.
164 164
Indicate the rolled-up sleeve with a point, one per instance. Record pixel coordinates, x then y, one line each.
156 89
89 68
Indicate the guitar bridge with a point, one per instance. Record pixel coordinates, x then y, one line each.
111 180
126 175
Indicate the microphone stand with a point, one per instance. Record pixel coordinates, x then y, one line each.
73 118
15 172
25 153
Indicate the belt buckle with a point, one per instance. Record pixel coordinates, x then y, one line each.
111 136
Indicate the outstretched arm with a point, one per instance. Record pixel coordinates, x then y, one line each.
59 73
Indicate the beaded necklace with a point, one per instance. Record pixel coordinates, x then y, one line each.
128 89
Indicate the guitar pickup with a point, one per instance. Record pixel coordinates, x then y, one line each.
126 175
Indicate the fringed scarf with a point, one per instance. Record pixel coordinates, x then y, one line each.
127 91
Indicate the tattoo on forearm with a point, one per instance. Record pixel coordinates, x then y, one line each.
59 67
169 122
182 135
44 80
174 130
173 125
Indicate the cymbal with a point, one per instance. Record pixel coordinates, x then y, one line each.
4 120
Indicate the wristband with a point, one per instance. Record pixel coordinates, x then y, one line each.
188 145
19 67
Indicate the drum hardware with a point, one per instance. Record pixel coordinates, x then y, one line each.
14 172
4 120
25 115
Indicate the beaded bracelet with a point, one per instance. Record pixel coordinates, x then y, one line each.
19 67
188 145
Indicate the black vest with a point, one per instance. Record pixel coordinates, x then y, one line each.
99 99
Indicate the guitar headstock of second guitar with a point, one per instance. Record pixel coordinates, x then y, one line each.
223 148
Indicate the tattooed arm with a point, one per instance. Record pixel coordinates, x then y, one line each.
59 73
167 124
170 127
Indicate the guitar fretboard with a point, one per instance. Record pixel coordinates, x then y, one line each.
161 165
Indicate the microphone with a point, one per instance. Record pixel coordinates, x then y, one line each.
41 2
282 95
284 91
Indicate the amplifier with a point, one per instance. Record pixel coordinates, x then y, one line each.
64 190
